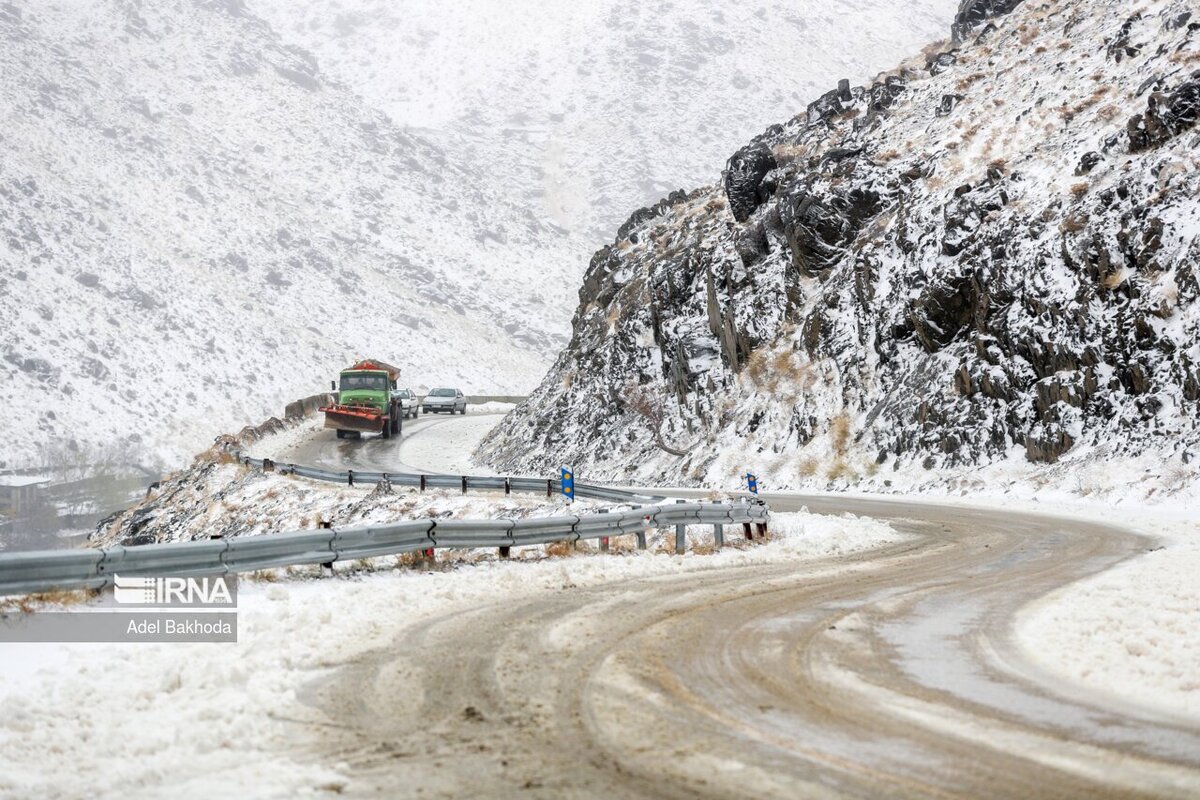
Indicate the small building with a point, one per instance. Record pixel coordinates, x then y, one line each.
20 494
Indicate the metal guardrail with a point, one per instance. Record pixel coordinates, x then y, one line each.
74 569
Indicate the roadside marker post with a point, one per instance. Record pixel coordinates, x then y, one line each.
752 482
680 535
567 481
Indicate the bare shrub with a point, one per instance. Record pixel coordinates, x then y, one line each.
840 468
967 81
839 431
560 549
27 604
1073 222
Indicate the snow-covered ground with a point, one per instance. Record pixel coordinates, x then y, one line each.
447 448
209 719
1133 631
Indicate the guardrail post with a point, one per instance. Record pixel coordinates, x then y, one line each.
746 530
422 481
349 477
268 465
464 484
680 536
549 487
328 564
603 539
761 527
505 551
507 486
719 535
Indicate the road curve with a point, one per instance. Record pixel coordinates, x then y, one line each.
891 673
375 454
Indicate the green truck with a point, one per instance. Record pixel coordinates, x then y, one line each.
367 401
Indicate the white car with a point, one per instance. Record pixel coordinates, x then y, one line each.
451 400
407 401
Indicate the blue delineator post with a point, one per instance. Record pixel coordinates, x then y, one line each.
752 482
568 483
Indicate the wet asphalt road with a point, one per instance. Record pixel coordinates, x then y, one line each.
891 673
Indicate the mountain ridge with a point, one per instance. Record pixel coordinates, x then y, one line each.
987 254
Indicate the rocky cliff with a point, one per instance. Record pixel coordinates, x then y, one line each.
988 253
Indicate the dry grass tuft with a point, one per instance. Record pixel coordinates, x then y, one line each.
966 82
61 598
839 430
1074 222
840 468
1115 279
560 549
787 153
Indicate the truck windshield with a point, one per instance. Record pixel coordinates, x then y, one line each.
442 393
364 381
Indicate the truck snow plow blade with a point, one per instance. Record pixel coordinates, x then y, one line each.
352 418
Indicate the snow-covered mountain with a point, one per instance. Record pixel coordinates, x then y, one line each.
196 226
200 220
584 110
990 253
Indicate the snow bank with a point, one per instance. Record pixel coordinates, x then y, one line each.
1130 632
287 439
205 720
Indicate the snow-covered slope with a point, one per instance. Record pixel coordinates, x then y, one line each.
196 226
199 220
990 253
584 110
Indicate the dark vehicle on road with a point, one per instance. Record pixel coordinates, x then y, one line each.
451 400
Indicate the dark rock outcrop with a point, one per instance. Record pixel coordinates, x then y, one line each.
974 13
1167 115
960 261
744 175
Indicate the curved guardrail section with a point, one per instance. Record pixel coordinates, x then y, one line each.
40 571
466 483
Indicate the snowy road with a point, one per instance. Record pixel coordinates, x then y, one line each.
429 443
894 674
900 677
